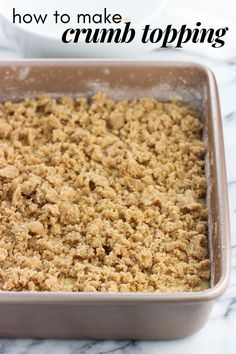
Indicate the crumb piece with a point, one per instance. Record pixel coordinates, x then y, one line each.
36 228
115 120
5 129
3 254
9 172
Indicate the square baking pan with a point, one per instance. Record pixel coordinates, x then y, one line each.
125 315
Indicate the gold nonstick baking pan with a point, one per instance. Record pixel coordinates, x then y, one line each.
125 315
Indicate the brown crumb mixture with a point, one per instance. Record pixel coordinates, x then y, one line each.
102 196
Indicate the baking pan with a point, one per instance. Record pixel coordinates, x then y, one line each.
125 315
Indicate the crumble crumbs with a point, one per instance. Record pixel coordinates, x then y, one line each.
102 196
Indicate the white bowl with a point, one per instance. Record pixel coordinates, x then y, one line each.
37 40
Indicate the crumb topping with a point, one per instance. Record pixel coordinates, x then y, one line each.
97 195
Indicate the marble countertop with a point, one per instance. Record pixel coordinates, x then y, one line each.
218 336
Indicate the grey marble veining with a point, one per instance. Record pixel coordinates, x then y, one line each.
219 335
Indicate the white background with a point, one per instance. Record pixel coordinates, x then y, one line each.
218 336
